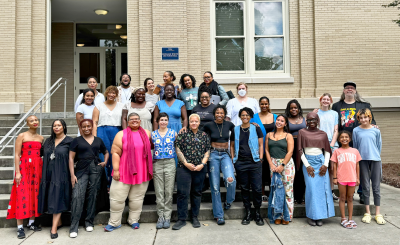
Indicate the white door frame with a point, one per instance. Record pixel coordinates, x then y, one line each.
77 85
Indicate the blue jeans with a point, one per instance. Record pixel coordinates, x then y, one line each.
221 162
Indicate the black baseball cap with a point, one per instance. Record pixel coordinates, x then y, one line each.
351 83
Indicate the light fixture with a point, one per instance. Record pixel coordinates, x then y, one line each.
118 26
101 11
80 44
124 36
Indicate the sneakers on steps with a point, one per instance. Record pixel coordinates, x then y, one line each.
160 223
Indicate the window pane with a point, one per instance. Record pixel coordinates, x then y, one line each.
230 54
101 35
229 19
269 53
268 18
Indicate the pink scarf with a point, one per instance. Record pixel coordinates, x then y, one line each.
130 158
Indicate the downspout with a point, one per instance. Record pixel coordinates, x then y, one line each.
48 51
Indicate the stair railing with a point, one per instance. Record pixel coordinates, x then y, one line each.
13 133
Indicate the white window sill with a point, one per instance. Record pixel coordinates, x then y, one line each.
256 78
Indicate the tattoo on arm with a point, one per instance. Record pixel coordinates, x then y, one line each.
97 123
206 156
180 156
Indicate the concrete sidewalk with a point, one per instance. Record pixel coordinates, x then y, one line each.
297 232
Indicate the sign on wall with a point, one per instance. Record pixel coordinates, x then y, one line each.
170 54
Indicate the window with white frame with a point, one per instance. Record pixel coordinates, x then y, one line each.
249 37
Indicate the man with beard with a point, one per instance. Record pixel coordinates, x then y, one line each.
125 90
347 107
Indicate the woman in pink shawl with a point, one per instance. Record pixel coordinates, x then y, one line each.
132 171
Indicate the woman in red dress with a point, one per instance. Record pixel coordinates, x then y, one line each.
28 174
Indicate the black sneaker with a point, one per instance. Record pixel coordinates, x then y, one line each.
179 224
227 206
196 222
361 199
34 227
21 233
335 198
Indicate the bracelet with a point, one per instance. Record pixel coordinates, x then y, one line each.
334 178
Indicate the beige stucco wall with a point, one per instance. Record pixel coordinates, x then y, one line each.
62 64
23 53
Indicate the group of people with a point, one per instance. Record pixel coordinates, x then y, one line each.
175 136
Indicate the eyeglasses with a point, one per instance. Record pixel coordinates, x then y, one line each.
134 119
204 97
245 115
350 88
206 77
311 120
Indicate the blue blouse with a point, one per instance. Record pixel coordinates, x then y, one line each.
163 146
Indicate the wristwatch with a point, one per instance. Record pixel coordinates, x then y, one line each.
283 164
204 164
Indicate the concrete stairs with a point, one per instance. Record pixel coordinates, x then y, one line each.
149 213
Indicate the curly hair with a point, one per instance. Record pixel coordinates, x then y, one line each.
220 107
111 89
364 111
182 81
204 89
248 110
287 110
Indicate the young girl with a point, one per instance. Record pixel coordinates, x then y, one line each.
346 174
368 141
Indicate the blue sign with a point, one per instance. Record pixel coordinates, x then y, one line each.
170 54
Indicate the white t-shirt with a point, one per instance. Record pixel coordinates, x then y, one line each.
327 122
97 100
87 112
233 107
125 95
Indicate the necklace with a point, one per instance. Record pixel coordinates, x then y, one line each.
126 97
246 130
298 118
53 155
222 128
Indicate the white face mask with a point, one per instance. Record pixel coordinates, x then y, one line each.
242 92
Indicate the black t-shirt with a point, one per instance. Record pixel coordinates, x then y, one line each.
205 113
244 148
214 131
86 153
348 113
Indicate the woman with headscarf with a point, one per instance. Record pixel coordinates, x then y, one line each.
314 150
132 171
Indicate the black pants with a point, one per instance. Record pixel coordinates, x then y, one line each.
87 186
190 184
299 186
249 174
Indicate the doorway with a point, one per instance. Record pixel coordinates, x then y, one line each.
100 51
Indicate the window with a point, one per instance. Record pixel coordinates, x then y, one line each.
250 37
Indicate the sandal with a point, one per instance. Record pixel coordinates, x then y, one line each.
346 224
379 219
367 218
353 224
265 198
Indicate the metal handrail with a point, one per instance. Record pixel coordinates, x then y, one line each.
14 132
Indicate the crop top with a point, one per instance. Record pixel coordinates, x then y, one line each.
213 131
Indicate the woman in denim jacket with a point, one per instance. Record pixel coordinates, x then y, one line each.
247 152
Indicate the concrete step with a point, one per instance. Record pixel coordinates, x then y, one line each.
8 150
46 130
4 199
6 161
45 122
6 173
149 214
44 135
5 186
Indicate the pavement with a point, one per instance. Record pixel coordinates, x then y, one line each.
297 232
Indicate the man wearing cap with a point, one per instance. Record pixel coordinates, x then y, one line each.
347 107
125 90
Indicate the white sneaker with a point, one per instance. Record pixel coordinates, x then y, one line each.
73 234
89 228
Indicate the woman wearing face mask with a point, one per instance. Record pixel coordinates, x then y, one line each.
189 92
214 87
297 122
168 78
234 105
86 176
140 106
85 109
98 97
107 123
314 149
205 108
266 120
28 174
55 188
149 86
